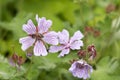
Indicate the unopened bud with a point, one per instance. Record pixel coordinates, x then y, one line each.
15 57
82 53
29 54
92 51
96 33
110 8
89 29
20 60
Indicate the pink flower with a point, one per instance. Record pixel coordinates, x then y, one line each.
81 69
38 36
66 44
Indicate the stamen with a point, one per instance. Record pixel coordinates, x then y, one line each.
79 65
32 35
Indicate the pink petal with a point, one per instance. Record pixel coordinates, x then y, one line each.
40 49
29 27
51 38
54 49
77 36
64 51
63 37
76 44
44 25
26 42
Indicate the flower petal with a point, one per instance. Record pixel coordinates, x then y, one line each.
51 38
26 42
76 44
43 25
29 27
64 51
81 61
89 68
81 69
86 74
63 37
80 73
77 36
12 62
73 66
39 49
54 49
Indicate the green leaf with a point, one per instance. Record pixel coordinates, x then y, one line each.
106 69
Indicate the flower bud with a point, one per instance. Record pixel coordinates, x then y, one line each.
82 53
20 60
110 8
14 57
92 51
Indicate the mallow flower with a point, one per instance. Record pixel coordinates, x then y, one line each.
38 36
66 43
81 69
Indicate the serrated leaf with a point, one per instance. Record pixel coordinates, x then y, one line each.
105 69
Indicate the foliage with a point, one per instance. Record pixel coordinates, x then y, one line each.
69 14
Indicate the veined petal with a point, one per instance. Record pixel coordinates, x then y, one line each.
81 69
73 66
54 49
76 44
89 67
29 27
80 73
63 37
26 42
77 36
85 75
39 49
44 25
51 38
63 52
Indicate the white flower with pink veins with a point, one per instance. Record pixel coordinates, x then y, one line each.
66 44
38 36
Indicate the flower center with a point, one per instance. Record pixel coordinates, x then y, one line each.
67 46
78 65
37 36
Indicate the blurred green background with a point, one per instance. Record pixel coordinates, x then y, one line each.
101 15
